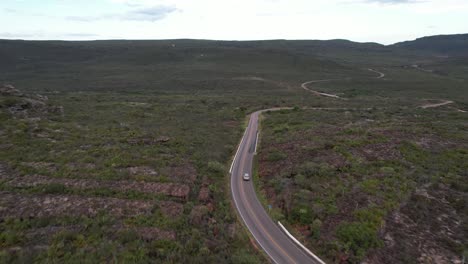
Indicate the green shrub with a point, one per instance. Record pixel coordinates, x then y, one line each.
276 156
302 215
216 167
372 216
244 257
315 228
370 186
301 180
9 238
53 188
387 170
358 237
9 102
311 169
281 129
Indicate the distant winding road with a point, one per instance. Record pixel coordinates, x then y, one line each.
273 240
433 105
305 85
381 74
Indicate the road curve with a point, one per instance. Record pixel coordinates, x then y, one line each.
304 86
268 235
444 102
381 74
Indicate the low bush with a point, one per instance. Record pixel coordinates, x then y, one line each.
358 237
276 156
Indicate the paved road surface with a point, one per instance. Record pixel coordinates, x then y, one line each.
268 235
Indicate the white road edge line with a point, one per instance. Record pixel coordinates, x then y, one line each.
256 143
243 219
299 243
235 200
238 148
236 203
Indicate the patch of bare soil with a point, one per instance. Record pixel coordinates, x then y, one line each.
199 215
231 124
171 209
434 143
346 205
378 151
142 170
428 228
39 239
25 206
300 150
295 151
148 140
260 79
9 90
186 173
147 233
153 233
428 142
331 158
47 166
28 106
204 194
79 166
171 189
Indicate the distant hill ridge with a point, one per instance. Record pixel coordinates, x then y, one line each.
444 44
14 52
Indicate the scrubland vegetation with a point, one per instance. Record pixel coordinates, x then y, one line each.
118 151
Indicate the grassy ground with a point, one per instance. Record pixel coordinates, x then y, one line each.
123 156
135 162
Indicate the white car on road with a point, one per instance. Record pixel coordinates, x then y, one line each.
246 177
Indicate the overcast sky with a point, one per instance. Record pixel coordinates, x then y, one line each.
383 21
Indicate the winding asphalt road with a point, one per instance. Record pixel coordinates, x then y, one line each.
273 240
279 247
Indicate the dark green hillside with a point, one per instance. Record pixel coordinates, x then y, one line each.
442 44
155 65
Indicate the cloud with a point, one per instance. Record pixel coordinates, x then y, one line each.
42 35
151 13
9 35
142 14
10 10
80 35
83 18
395 1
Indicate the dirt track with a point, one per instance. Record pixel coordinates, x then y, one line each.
304 85
444 102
